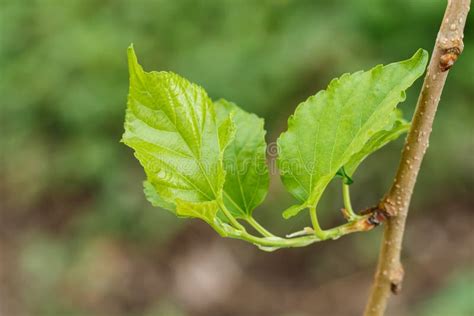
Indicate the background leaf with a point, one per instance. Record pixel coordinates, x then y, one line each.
247 178
330 127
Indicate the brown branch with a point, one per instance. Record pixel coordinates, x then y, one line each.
448 46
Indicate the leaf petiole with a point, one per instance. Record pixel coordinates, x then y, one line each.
229 216
258 227
274 242
348 210
318 231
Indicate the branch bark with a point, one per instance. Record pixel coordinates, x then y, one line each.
448 46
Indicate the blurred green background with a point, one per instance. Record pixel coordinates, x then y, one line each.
76 234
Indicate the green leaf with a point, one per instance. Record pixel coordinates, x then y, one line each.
247 179
329 128
171 124
396 127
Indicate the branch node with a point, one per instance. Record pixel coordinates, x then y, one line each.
388 207
396 279
449 56
377 215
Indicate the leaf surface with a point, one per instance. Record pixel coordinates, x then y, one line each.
247 179
155 199
172 126
394 129
330 127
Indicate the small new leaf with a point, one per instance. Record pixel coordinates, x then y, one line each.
330 127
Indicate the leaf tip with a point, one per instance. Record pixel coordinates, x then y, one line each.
423 55
420 58
131 52
133 64
422 52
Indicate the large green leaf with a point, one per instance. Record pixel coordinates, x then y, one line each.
171 124
330 127
247 179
